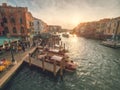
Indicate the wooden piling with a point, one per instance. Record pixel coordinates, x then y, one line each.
54 68
29 59
61 43
43 66
64 47
61 68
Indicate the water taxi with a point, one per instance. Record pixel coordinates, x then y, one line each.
68 64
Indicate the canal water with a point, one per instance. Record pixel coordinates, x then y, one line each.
98 69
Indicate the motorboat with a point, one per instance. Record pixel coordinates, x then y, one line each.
70 66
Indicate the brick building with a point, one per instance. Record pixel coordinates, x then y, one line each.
15 21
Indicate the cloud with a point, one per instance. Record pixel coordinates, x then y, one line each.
68 12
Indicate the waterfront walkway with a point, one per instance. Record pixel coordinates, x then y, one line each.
20 58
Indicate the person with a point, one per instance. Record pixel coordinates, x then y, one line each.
0 51
23 47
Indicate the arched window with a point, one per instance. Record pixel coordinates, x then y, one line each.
38 22
22 30
14 30
21 21
6 30
12 20
4 19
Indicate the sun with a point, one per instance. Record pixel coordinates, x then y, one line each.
75 20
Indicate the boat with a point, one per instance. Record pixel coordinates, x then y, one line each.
70 66
111 43
65 35
57 58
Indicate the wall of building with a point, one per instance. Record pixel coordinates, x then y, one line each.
54 28
39 26
104 28
15 20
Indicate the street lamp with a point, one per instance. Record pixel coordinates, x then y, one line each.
11 51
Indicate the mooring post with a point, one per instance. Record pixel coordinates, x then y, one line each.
54 68
61 68
63 62
29 59
58 42
61 43
64 47
43 66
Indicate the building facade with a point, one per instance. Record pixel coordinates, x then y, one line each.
39 26
15 21
104 28
54 28
113 28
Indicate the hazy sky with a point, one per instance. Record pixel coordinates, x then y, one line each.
69 13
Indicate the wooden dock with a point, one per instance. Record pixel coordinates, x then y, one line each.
46 66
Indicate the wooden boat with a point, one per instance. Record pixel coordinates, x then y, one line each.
50 57
112 44
70 66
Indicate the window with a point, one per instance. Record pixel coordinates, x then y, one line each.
6 30
4 19
108 30
14 30
12 20
21 21
2 11
11 10
30 23
22 30
113 30
38 22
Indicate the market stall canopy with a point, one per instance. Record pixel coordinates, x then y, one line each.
5 39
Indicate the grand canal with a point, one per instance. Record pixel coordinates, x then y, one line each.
98 69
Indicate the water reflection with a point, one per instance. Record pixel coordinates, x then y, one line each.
98 65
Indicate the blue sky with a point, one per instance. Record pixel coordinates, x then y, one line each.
69 13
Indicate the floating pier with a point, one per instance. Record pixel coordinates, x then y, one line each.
43 65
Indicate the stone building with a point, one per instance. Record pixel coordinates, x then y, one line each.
54 28
39 26
113 28
15 21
